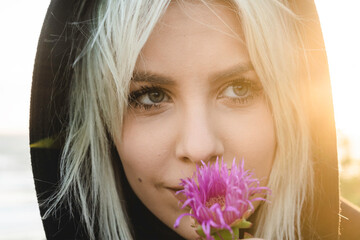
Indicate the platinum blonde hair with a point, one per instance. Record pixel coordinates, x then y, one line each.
98 101
274 41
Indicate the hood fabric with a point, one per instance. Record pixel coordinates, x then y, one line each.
48 118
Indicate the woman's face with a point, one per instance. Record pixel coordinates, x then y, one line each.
194 96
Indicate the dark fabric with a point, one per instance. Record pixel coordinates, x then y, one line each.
48 118
48 112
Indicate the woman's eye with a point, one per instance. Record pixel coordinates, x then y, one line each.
147 97
240 91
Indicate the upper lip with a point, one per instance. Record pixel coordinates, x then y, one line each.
176 188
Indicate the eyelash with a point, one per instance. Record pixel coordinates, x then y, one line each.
254 90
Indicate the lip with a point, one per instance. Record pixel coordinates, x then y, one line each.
180 196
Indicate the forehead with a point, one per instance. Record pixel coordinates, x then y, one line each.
193 32
216 15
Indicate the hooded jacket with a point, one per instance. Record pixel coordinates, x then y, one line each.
48 118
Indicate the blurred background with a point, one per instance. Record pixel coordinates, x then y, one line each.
20 23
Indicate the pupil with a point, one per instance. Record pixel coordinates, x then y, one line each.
241 90
156 96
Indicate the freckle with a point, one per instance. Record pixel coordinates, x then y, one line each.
139 179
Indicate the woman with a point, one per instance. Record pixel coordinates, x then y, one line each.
142 91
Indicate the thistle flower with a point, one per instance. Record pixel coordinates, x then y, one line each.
220 199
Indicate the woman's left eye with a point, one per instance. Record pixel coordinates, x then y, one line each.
240 91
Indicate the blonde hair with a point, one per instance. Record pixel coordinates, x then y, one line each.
273 38
98 101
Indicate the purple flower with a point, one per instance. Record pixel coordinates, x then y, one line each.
220 199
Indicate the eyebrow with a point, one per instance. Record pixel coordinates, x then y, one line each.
156 78
234 70
152 78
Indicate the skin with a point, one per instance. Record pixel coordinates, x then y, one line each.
203 108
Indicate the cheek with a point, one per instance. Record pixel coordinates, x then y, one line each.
144 148
251 136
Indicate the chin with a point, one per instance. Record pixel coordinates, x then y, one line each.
185 230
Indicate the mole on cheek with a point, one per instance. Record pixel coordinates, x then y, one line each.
139 179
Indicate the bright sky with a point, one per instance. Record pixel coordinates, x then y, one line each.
20 23
341 29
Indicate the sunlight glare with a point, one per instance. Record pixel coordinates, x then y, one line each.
340 26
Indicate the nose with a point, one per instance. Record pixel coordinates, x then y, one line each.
198 137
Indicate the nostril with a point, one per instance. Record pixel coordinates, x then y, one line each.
186 159
211 159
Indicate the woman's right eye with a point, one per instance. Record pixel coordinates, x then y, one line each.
148 97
